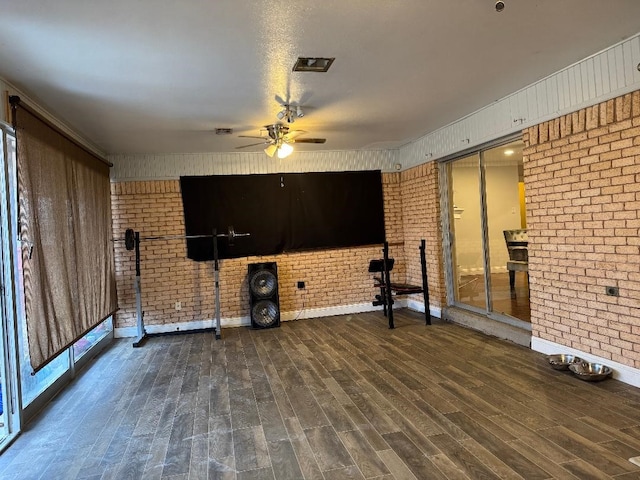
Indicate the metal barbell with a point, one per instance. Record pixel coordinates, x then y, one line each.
130 237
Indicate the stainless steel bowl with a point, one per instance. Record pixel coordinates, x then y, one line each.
590 372
562 361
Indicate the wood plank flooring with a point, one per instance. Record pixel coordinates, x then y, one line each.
333 398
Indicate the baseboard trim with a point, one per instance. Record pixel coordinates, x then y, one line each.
514 331
127 332
621 372
337 310
418 306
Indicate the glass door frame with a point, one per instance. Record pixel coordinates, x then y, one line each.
12 404
446 195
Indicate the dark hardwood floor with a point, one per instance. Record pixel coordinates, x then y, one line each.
333 398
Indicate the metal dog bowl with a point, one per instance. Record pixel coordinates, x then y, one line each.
562 361
590 372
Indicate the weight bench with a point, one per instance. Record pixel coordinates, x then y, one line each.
388 288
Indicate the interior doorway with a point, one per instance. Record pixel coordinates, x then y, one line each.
486 218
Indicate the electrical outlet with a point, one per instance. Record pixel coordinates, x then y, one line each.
612 291
178 305
301 285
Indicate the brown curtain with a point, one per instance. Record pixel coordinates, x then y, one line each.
65 224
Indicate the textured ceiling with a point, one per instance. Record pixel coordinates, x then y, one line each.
157 76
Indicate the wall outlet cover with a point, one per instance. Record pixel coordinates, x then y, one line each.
612 291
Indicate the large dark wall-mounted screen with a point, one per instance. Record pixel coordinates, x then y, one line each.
282 212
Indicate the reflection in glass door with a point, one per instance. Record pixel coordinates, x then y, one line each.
506 231
466 226
486 209
8 411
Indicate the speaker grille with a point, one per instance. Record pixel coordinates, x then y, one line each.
264 305
263 283
265 313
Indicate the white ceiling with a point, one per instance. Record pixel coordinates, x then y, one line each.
157 76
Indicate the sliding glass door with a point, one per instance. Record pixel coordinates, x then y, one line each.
9 386
485 207
506 219
466 226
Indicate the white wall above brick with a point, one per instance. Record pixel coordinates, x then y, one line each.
145 167
605 75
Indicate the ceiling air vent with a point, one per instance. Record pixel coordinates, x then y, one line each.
312 64
224 131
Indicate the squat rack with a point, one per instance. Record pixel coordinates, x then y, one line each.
132 242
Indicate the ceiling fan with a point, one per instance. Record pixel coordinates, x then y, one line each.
280 140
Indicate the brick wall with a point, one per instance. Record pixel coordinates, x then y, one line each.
582 174
334 277
421 219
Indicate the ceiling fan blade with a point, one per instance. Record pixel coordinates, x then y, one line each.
310 140
292 134
252 136
282 101
253 145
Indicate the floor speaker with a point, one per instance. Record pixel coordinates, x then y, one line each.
264 303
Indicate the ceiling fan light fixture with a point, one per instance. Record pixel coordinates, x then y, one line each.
290 117
289 113
285 150
280 140
271 150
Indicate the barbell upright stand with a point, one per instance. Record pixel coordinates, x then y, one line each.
216 282
387 283
142 333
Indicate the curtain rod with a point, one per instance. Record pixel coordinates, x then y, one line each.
15 102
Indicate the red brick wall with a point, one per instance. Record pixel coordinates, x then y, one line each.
421 219
335 277
582 175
